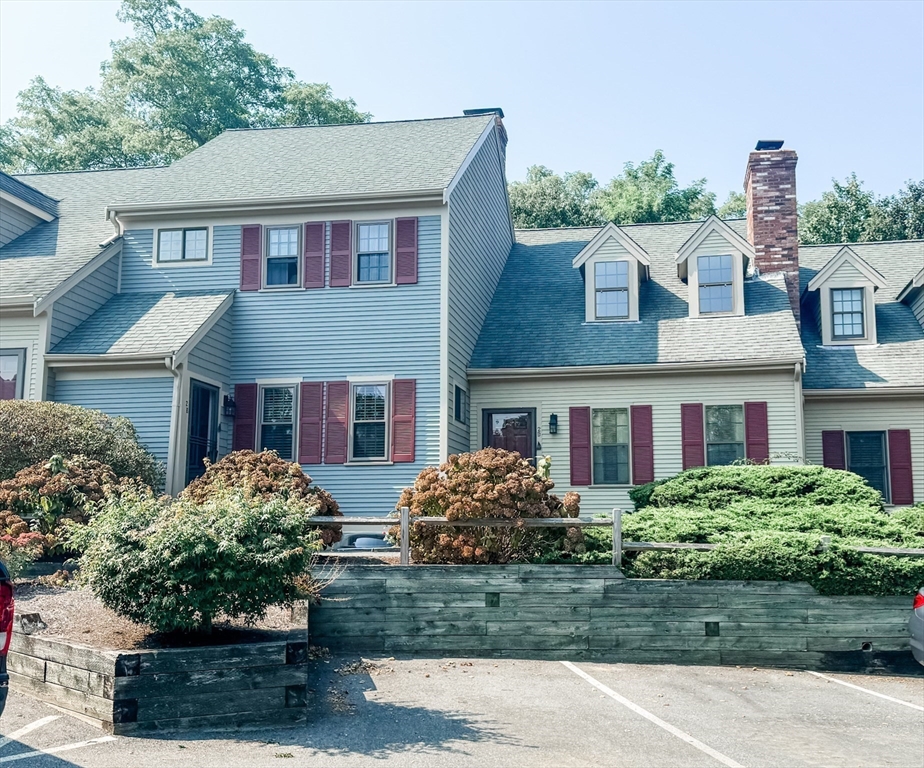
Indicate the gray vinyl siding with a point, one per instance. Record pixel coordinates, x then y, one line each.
917 306
25 332
84 299
14 221
146 402
480 239
212 359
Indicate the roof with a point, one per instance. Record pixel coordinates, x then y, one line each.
28 194
536 319
898 359
49 253
143 323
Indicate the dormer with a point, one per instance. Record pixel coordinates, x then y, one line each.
614 266
713 262
21 208
913 295
846 307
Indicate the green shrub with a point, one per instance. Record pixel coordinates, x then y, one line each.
641 494
174 564
32 432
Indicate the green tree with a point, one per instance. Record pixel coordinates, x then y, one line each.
734 207
844 214
901 216
546 199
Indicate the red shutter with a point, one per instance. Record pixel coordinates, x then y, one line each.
756 432
314 255
900 476
642 444
338 410
832 448
405 251
403 419
692 437
310 411
579 435
341 253
245 418
251 251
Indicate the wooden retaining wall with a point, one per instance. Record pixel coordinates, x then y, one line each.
170 689
592 612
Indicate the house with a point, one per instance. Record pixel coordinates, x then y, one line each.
355 297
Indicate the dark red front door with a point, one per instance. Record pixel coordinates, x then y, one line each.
511 429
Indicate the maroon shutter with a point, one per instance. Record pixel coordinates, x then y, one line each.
338 409
642 444
314 255
403 419
832 448
579 435
309 422
691 435
900 476
756 432
405 251
245 418
341 253
251 251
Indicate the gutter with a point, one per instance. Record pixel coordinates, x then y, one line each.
166 358
17 301
862 392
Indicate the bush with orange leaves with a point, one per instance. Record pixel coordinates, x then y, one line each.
485 484
18 545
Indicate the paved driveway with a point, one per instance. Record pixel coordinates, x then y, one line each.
457 713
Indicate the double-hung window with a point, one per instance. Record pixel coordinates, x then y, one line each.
611 446
373 252
716 282
611 287
369 435
847 312
179 245
867 457
12 373
724 434
282 257
277 420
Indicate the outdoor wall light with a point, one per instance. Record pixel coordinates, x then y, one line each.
228 408
553 424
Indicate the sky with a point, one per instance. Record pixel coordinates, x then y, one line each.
584 85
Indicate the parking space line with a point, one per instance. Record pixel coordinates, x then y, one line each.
867 690
55 750
27 729
653 718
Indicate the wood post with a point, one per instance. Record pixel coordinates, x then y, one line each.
617 536
405 536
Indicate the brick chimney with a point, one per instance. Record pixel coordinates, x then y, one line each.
773 221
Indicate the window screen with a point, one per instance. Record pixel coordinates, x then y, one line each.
611 446
369 422
611 286
724 434
282 257
373 257
866 456
277 421
12 371
715 283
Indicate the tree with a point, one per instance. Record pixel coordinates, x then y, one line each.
734 207
842 215
901 216
546 199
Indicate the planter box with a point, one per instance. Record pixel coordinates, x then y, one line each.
226 686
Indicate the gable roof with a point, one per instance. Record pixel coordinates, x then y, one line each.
712 224
912 285
10 186
845 256
610 231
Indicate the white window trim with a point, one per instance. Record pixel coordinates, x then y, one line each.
263 384
299 258
827 315
20 353
354 282
744 440
737 309
466 412
590 292
156 263
360 382
628 411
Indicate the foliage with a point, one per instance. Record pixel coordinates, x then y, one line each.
18 545
641 494
546 199
734 207
265 475
489 483
175 564
33 431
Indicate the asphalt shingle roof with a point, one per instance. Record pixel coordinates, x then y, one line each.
536 319
138 323
28 194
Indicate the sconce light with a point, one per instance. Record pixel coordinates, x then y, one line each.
228 408
553 424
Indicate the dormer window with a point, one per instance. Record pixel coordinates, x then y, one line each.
847 313
716 283
611 284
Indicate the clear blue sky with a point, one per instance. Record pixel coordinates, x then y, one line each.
585 86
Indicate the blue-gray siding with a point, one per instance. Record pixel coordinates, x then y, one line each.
28 194
146 402
480 238
84 299
212 359
14 221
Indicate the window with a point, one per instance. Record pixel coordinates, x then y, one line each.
373 253
277 421
611 446
866 456
282 257
462 405
611 284
175 245
724 434
847 312
370 425
716 276
12 372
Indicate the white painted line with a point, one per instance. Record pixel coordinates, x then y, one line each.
27 729
654 719
55 750
866 690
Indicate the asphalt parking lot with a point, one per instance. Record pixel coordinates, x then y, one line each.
453 712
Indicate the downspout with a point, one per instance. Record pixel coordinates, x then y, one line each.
175 416
800 413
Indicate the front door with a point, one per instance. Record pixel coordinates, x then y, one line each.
202 435
513 429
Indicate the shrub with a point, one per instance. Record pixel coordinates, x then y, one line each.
32 432
485 484
175 564
265 476
18 545
641 494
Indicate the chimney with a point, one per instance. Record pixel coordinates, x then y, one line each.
773 221
500 131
